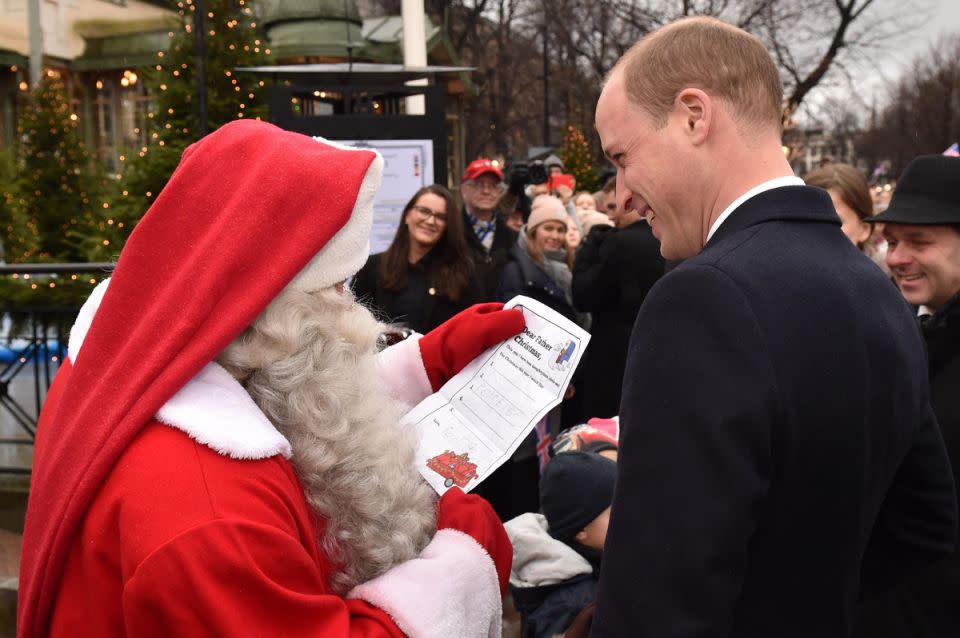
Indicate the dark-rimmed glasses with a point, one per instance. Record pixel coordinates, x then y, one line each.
486 185
426 213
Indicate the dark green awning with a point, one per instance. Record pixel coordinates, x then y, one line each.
10 58
121 51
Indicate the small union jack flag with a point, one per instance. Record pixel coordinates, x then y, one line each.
544 438
953 151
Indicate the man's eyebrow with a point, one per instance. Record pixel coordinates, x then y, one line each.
909 235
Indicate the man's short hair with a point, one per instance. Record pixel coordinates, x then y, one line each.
710 55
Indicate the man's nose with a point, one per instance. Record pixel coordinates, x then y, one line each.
897 256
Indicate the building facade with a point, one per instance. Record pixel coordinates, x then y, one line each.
101 46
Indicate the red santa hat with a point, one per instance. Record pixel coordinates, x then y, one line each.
249 210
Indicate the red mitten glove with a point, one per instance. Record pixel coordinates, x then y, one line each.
449 347
474 516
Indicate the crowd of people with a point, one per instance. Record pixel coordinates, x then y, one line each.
762 438
595 268
549 244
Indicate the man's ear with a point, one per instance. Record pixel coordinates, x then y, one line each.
581 536
695 109
864 231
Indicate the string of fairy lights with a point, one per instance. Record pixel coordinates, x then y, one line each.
577 158
169 121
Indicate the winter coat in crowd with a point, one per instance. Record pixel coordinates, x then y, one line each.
490 263
927 604
548 282
420 306
550 581
613 272
942 334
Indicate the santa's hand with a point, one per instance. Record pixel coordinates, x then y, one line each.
474 516
449 347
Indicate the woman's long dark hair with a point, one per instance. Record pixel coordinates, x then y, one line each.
451 267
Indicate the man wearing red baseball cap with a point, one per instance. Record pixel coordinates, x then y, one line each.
487 234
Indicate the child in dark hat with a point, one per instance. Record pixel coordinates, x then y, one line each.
556 554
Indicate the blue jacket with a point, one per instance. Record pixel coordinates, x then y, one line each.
778 449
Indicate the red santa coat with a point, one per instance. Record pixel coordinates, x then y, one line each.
191 540
261 573
134 528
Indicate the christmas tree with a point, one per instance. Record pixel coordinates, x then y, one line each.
577 160
231 41
8 175
54 193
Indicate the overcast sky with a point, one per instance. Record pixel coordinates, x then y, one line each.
944 18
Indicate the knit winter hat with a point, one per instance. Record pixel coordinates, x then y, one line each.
591 218
546 208
574 490
553 160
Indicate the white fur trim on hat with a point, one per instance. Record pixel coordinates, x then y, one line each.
347 251
80 327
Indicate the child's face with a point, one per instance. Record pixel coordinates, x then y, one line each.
515 220
610 454
595 534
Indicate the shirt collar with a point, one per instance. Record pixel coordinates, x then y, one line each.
778 182
479 223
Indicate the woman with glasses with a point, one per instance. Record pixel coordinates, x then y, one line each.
426 275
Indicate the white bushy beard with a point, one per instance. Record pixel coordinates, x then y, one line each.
309 363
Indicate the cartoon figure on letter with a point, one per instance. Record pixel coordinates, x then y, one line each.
565 355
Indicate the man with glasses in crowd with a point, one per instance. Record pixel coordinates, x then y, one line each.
487 234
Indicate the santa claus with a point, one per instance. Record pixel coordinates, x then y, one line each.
220 454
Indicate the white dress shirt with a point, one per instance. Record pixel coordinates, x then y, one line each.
756 190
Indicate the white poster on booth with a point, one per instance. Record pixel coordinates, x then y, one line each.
408 167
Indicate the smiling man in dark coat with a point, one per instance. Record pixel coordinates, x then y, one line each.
777 445
922 229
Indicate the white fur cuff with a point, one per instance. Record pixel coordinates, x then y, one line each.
451 589
400 369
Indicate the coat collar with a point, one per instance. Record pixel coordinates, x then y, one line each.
787 203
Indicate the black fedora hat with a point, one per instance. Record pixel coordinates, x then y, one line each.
927 193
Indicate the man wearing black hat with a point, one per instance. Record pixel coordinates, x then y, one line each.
922 229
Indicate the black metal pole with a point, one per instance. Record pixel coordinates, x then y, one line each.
546 85
200 44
